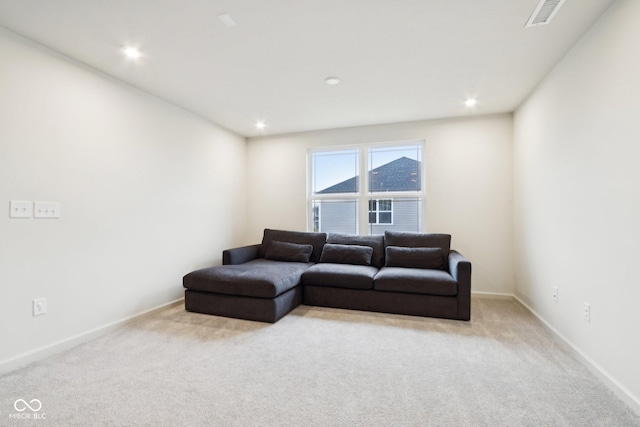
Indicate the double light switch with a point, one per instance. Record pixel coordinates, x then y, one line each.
21 209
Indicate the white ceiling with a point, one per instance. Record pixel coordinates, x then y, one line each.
398 60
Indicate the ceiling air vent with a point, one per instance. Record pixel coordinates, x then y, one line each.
544 13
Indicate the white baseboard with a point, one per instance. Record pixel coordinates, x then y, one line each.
618 389
67 343
491 295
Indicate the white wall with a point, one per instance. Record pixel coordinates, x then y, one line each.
577 196
148 192
468 166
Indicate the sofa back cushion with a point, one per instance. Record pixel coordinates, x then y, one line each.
290 252
375 242
346 254
398 256
420 240
316 240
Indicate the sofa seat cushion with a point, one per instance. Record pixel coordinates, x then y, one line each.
260 278
340 276
415 281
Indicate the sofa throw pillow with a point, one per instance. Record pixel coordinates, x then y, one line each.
374 241
290 252
317 240
427 258
346 254
421 240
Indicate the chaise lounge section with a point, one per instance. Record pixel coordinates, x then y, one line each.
403 273
253 283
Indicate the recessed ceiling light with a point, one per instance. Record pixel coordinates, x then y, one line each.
332 80
132 52
470 102
260 125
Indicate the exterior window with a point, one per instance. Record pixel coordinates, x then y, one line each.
388 198
380 211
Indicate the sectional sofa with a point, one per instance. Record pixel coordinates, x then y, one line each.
403 273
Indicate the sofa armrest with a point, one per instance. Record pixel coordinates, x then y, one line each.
240 255
460 269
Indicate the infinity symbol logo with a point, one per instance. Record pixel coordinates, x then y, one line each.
21 405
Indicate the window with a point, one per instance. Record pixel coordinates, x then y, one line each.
388 198
380 211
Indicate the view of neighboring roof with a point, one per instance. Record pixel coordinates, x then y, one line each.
402 174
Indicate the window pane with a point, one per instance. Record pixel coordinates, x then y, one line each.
337 216
395 168
384 217
372 205
372 218
385 205
335 171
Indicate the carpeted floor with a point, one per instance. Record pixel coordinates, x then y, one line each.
318 367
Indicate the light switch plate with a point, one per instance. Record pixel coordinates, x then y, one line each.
21 209
47 210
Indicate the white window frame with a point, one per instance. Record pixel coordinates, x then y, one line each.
362 196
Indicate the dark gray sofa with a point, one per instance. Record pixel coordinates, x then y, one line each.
403 273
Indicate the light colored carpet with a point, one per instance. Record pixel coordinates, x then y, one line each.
319 367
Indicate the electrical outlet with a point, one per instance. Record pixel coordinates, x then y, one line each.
586 312
39 306
554 293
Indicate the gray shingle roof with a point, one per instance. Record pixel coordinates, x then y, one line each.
402 174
